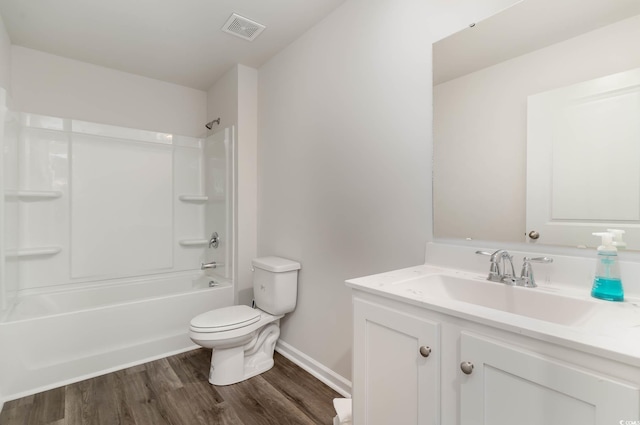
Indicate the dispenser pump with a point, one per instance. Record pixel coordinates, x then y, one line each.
607 284
617 238
607 241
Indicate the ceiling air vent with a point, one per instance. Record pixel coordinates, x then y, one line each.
242 27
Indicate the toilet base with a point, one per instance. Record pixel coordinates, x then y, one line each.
236 364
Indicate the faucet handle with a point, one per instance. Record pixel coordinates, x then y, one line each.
526 275
538 260
494 268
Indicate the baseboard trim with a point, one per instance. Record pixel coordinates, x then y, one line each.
334 381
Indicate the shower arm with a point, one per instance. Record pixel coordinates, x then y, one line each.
209 125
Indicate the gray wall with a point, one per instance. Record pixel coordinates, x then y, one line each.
5 57
344 168
234 99
47 84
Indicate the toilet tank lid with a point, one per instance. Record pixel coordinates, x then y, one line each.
275 264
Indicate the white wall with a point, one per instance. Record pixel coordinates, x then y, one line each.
344 162
480 129
222 99
52 85
5 57
233 98
247 182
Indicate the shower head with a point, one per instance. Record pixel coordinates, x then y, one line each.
209 125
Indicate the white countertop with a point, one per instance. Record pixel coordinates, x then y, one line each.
611 329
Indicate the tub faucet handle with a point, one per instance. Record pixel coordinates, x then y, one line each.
214 241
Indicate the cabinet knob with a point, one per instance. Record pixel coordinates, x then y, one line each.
534 235
467 367
425 351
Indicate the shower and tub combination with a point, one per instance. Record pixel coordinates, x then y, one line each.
104 230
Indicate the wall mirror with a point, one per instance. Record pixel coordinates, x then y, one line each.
484 153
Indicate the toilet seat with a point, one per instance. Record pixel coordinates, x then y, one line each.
225 319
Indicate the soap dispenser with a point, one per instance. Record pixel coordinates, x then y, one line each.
607 284
617 238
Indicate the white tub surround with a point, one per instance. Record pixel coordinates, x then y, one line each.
105 229
87 203
4 293
478 349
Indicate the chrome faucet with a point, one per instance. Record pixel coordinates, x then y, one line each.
498 271
211 265
526 275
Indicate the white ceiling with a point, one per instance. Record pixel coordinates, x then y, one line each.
523 28
178 41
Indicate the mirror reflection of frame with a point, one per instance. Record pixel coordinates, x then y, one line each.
583 160
483 79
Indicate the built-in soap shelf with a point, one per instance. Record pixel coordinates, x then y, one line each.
32 195
193 198
193 242
39 251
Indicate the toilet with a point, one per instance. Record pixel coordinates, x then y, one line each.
243 338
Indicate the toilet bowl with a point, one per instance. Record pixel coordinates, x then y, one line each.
242 338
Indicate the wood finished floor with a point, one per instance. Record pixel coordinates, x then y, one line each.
175 391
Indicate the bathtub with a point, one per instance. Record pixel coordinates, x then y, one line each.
56 338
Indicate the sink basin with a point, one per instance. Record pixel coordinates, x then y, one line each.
529 302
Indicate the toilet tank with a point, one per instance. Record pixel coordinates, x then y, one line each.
275 284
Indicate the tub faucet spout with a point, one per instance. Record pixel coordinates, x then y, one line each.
211 265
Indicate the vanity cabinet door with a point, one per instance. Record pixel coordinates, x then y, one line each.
509 385
396 367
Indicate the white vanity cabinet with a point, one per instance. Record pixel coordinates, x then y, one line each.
396 369
510 385
515 379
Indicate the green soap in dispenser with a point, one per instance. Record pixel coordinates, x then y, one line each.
607 284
